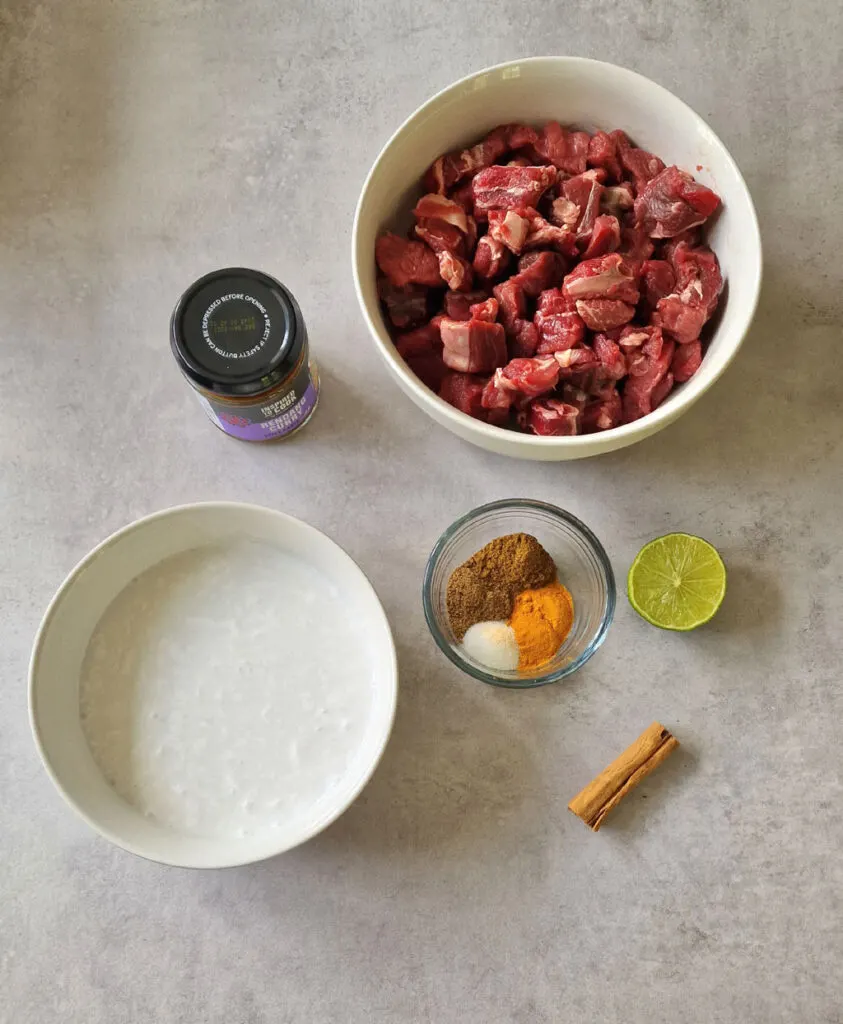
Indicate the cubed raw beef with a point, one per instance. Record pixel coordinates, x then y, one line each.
565 149
698 278
549 417
512 301
518 136
473 346
441 237
634 337
603 413
458 304
421 340
605 237
538 271
455 271
612 359
607 277
564 213
627 229
510 227
640 396
438 207
490 258
406 306
496 393
617 199
405 262
522 339
429 367
640 165
603 314
657 281
445 172
682 320
530 378
585 190
672 202
554 300
485 310
421 349
636 245
687 359
575 361
464 392
662 389
603 152
543 234
559 331
508 188
640 357
698 283
692 237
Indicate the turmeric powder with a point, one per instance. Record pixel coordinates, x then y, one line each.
541 619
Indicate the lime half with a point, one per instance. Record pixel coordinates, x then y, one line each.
677 581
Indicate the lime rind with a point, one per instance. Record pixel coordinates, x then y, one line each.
677 582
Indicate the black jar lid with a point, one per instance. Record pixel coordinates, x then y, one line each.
237 332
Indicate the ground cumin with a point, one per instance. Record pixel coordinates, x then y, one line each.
484 588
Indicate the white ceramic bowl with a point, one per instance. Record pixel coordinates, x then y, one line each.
70 620
592 95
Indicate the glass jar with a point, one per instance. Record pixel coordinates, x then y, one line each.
241 343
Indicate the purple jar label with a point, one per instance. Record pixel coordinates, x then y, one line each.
281 412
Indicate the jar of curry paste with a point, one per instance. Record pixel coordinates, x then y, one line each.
241 343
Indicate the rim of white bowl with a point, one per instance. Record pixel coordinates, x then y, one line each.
44 625
692 390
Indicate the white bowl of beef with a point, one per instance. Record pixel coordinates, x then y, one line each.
597 256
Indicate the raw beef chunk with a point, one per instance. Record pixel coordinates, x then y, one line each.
405 307
673 202
455 271
548 417
607 277
522 339
605 237
490 258
464 391
406 262
433 206
508 188
473 346
510 227
603 314
686 361
441 236
538 271
641 394
603 153
457 305
602 413
567 150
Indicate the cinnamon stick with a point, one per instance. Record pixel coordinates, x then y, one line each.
593 803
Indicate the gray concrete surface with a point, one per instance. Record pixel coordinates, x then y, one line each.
146 143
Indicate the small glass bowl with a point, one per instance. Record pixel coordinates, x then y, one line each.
583 566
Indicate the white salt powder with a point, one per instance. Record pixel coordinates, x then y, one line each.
493 644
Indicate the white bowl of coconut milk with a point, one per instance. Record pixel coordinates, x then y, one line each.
213 685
